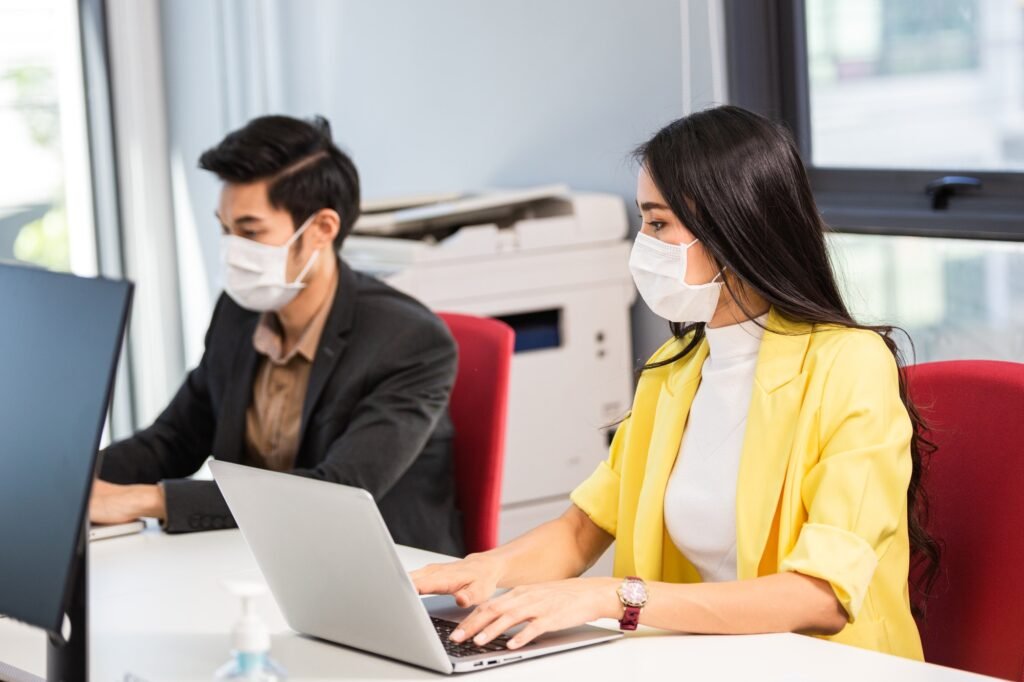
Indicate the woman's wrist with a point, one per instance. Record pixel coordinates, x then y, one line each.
607 597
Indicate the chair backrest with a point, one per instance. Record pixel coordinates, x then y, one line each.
974 411
479 408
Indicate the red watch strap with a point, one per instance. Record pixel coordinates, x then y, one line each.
630 618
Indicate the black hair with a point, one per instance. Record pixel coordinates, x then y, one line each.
305 169
736 181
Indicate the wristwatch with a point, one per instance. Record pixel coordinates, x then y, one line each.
633 595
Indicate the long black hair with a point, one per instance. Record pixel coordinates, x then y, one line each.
736 181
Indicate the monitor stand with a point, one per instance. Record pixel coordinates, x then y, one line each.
66 661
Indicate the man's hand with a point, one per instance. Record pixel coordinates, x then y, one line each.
111 503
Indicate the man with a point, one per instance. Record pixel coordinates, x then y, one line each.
309 367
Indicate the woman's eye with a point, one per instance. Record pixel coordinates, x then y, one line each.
656 224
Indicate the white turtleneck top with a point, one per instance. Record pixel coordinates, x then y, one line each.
700 501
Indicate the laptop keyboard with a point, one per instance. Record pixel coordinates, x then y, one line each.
444 630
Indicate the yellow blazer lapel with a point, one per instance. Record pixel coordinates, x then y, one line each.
769 437
673 406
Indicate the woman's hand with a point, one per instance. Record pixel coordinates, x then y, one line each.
544 607
471 580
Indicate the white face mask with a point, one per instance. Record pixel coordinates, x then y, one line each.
659 271
256 275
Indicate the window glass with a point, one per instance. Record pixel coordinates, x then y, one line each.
45 201
957 299
916 85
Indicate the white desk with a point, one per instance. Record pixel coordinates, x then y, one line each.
157 610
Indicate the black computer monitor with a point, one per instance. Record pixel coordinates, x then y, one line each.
60 338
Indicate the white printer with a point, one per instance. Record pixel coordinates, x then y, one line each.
552 264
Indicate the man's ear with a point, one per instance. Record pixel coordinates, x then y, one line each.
325 226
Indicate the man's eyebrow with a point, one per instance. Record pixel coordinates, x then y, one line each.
240 220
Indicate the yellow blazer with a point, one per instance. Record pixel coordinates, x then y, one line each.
822 485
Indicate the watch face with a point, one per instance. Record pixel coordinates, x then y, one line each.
633 593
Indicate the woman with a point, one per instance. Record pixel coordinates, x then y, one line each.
765 478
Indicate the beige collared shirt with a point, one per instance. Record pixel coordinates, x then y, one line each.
279 390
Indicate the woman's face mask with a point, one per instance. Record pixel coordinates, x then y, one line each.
659 271
255 274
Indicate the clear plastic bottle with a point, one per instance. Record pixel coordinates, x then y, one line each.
250 652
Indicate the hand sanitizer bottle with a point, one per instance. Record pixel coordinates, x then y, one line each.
250 655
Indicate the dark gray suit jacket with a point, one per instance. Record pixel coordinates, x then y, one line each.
375 416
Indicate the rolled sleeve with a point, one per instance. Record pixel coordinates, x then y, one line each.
598 497
843 559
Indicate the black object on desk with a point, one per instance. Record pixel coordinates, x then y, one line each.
60 339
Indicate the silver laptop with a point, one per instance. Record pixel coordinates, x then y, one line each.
331 564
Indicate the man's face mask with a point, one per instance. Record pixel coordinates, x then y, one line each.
255 275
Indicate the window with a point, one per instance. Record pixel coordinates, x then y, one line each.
910 115
955 298
909 84
45 189
887 97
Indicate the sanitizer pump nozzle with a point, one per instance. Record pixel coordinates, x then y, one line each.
250 640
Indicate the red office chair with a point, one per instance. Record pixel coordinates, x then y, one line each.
479 406
974 411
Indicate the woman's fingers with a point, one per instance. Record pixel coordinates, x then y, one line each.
532 631
491 617
468 581
470 595
440 579
466 590
474 622
505 622
425 579
482 616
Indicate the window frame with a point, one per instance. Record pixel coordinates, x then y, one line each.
106 195
766 50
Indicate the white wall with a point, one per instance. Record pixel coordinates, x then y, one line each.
434 95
